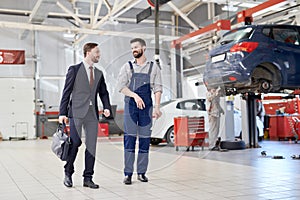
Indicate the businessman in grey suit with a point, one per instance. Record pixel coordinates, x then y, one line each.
79 107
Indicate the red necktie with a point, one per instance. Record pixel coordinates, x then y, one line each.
91 76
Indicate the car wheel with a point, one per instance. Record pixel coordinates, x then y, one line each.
155 141
266 78
265 86
170 136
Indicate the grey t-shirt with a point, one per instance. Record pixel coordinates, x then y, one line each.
125 75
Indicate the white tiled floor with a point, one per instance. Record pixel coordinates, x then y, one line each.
29 170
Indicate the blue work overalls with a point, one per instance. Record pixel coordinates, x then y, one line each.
137 122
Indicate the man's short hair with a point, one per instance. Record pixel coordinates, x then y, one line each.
140 40
88 47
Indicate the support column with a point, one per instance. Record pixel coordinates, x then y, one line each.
176 71
229 118
250 138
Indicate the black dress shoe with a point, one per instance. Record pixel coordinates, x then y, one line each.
90 184
127 180
142 177
68 181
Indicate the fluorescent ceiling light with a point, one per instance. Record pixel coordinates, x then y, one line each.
230 8
69 35
248 5
215 1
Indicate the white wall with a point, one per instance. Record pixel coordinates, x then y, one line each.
49 54
190 90
17 117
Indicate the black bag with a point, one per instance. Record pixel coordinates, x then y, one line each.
61 142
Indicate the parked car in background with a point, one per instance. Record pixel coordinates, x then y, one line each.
256 58
163 128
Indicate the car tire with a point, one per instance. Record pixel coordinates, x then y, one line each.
170 136
155 141
233 145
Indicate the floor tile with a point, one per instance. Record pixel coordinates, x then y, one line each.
29 171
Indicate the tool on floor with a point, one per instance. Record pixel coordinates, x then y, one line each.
278 157
264 154
295 157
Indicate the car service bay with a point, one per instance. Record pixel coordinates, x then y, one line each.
248 50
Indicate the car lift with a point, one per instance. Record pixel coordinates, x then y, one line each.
248 102
249 112
245 16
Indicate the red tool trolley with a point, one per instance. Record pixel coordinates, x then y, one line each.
189 132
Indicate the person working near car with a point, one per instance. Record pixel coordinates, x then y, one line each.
214 111
136 80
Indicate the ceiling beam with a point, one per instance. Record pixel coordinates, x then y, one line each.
38 14
77 19
114 10
25 13
191 7
127 8
97 13
40 27
40 11
92 12
184 17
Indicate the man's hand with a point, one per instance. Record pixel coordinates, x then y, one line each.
106 113
139 102
156 112
63 119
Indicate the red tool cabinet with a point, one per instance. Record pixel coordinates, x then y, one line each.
285 127
273 127
189 132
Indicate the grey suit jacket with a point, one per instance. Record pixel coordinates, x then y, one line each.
77 93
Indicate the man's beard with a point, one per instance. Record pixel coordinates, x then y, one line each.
95 60
138 55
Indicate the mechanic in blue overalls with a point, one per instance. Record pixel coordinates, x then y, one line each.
136 80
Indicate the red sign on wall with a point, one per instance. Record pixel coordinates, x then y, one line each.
12 57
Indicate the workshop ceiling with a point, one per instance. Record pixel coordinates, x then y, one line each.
81 18
85 17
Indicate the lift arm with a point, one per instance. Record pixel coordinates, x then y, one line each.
219 25
246 15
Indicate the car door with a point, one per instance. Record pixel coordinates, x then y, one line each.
287 52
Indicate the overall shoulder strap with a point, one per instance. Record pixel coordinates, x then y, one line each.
150 68
131 66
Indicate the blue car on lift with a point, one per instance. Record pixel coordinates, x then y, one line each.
255 58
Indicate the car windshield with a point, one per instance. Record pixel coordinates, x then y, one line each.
236 35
